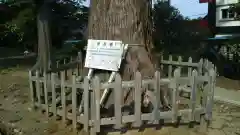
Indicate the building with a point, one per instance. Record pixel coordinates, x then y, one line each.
225 29
225 17
221 18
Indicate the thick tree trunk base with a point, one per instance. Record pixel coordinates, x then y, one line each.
129 21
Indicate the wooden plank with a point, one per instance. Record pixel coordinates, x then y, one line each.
205 65
129 84
74 103
170 67
125 84
193 96
86 104
180 61
118 101
210 95
31 89
38 88
93 111
54 106
205 91
203 120
63 98
46 92
167 116
189 68
157 93
96 87
137 99
65 70
175 98
161 64
57 66
176 63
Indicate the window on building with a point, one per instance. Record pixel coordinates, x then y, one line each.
227 14
224 13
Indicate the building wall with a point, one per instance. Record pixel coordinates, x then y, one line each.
225 2
225 22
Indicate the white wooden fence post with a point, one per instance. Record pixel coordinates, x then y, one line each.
210 95
170 67
96 100
189 68
118 101
206 65
175 94
45 84
180 61
86 103
193 95
66 73
200 67
207 100
137 99
74 103
57 66
161 65
54 106
63 98
157 102
31 89
38 88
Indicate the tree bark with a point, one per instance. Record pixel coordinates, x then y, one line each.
129 21
44 42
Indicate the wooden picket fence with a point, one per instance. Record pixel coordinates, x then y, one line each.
61 95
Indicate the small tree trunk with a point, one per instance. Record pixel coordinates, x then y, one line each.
44 51
129 21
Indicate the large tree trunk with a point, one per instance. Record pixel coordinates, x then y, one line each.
129 21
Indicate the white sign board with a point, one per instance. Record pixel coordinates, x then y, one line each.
104 54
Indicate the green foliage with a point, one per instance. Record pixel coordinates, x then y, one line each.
20 29
236 8
174 33
234 46
68 20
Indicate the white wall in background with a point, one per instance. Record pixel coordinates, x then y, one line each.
224 17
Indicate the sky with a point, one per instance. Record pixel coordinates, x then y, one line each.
188 8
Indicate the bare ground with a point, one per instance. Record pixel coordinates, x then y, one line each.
228 83
15 112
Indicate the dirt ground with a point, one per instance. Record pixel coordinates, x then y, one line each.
228 83
15 113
